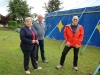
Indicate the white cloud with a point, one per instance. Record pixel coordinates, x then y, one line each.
3 11
38 4
3 7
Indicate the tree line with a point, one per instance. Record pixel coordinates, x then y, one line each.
19 9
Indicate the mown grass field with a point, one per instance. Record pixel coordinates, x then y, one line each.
11 58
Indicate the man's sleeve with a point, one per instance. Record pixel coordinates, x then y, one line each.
65 34
81 35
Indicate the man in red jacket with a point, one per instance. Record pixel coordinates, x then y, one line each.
73 34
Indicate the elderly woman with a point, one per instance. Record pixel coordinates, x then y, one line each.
28 36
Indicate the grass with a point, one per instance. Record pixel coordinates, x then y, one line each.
11 58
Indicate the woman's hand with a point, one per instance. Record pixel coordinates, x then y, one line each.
37 42
33 41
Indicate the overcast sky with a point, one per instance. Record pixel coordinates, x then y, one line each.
38 4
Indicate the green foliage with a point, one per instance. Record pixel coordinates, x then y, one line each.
19 25
52 5
11 61
12 24
18 10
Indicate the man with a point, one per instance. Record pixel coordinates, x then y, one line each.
73 34
40 27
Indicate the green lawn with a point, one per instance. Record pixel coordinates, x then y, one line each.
11 58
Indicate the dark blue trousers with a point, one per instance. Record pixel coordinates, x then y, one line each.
27 55
41 45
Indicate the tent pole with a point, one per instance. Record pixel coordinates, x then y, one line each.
90 38
97 69
52 18
54 28
7 37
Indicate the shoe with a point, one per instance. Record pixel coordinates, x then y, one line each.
39 68
27 72
37 62
45 61
59 66
75 68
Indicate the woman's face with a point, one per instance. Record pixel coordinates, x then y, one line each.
28 23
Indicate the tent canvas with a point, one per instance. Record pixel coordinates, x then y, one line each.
57 21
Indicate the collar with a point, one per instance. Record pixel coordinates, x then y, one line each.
39 22
74 25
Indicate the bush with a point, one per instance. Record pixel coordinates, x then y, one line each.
12 24
19 25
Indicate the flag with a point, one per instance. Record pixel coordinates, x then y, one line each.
60 26
98 27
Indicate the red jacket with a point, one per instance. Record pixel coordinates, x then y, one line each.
74 38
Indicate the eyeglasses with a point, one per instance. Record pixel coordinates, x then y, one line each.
75 19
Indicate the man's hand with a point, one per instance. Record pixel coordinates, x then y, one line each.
77 46
68 44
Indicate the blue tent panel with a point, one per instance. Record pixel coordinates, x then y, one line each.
88 20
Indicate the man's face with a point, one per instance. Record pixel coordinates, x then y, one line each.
75 20
40 18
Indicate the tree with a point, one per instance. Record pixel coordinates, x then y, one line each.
52 5
34 15
4 19
19 9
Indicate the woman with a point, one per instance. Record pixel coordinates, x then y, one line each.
28 36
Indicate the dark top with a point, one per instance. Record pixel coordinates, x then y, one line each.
26 37
74 28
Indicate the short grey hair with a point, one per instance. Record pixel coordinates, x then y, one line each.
75 17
